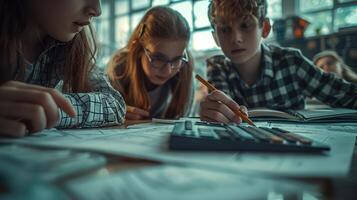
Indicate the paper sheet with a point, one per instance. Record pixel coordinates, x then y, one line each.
169 182
149 141
19 164
318 128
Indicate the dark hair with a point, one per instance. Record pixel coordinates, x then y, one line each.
230 10
125 67
79 56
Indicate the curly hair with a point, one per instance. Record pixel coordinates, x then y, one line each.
230 10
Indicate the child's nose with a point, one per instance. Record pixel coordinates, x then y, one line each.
326 68
237 36
94 8
168 68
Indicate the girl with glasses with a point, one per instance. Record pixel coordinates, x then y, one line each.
154 70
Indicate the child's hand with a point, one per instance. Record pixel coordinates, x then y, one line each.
217 107
134 113
26 108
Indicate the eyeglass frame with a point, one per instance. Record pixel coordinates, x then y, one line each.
184 59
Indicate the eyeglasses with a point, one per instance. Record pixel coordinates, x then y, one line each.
160 63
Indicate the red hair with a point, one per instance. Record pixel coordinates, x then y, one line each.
125 67
230 10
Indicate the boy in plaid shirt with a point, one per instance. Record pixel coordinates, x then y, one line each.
252 74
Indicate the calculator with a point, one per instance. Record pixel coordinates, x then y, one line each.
205 136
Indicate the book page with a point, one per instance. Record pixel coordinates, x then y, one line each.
270 113
328 113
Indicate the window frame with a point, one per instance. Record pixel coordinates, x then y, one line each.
132 11
335 6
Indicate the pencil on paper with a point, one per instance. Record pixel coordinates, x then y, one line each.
239 112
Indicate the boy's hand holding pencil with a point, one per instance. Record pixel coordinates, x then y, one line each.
219 107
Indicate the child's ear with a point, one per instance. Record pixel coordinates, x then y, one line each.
266 28
215 37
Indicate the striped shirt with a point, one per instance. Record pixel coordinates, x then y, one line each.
104 106
286 79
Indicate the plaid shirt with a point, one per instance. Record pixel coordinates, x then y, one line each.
102 107
286 79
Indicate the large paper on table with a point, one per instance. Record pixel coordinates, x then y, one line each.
150 140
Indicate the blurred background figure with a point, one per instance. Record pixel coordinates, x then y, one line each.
330 62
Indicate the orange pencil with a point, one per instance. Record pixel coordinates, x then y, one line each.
211 88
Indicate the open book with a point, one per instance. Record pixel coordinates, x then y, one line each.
313 115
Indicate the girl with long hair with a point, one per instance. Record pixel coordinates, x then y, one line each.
154 70
46 45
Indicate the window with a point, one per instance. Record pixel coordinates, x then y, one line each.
135 19
121 7
139 4
121 30
105 10
274 12
320 23
274 9
120 17
102 29
185 8
127 14
346 17
310 5
203 40
102 24
160 2
343 1
200 10
327 16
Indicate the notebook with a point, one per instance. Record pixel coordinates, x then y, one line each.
307 115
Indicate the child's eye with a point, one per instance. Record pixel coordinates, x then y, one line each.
226 30
157 57
246 25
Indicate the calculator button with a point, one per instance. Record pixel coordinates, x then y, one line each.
224 134
255 133
188 125
296 137
205 132
240 133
